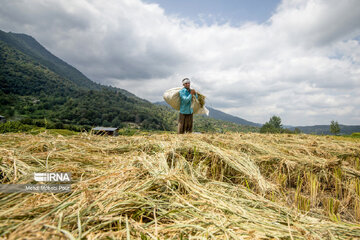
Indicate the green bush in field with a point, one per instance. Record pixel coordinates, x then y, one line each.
14 126
127 131
357 135
24 125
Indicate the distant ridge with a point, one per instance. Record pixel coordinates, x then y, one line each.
316 129
219 115
325 129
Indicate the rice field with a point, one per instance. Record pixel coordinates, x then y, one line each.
192 186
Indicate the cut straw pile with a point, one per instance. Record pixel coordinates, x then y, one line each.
165 186
201 99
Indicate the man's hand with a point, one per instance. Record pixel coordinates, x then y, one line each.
192 92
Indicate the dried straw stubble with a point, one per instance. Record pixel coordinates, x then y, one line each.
203 186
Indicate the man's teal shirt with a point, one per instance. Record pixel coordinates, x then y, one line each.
185 101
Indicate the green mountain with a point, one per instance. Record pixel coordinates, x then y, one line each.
31 48
36 84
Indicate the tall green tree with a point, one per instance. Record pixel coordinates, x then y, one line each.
334 127
297 130
273 126
276 122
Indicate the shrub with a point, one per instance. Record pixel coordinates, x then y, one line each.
14 126
27 121
357 135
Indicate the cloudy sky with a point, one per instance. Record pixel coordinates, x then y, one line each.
298 59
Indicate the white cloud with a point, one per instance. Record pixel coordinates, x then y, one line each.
302 64
317 22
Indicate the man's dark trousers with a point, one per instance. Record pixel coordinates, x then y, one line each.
185 123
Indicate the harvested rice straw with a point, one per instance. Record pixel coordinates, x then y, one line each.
213 186
201 99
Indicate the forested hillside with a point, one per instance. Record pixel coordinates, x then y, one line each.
35 84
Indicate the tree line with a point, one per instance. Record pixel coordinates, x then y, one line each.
274 125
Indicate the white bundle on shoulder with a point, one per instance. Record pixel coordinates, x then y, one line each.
172 97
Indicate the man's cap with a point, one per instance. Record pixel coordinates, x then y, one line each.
186 80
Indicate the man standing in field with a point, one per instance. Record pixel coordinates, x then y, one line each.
185 123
